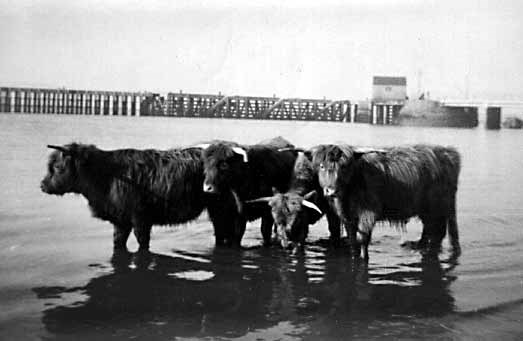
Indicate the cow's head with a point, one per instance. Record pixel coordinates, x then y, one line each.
336 164
292 214
61 175
223 164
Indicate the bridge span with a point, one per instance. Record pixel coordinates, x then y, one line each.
488 108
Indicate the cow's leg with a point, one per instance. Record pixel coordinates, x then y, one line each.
238 230
436 228
334 227
220 235
351 226
303 236
223 213
452 226
424 240
266 228
120 236
336 217
221 224
365 241
367 220
142 232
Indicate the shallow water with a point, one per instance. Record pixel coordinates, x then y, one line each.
60 280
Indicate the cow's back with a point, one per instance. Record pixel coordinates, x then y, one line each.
410 180
269 167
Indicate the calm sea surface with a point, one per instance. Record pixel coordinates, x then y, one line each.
60 280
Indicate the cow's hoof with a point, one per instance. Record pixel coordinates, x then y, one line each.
235 245
143 250
431 251
120 248
355 251
220 242
335 242
121 253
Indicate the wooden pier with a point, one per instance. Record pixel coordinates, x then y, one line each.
116 103
70 102
247 107
112 103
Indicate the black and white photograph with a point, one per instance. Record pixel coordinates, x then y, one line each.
269 170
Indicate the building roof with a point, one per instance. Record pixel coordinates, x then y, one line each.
383 80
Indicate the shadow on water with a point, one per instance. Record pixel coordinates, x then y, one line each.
231 293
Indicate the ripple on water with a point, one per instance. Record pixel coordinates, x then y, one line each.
193 275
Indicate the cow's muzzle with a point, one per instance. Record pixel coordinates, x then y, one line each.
208 188
282 235
44 187
329 192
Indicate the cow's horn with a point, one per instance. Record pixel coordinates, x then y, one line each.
237 201
311 205
60 148
262 199
309 195
242 152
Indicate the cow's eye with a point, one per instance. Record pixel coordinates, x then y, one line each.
224 166
58 168
322 166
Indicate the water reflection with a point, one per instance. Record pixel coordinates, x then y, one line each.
230 293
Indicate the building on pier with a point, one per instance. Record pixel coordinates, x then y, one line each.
388 97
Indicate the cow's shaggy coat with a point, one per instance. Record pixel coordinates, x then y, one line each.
392 184
132 189
242 173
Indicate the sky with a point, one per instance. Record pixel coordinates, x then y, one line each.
308 49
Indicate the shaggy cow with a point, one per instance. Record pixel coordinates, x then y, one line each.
245 173
302 205
132 189
392 184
